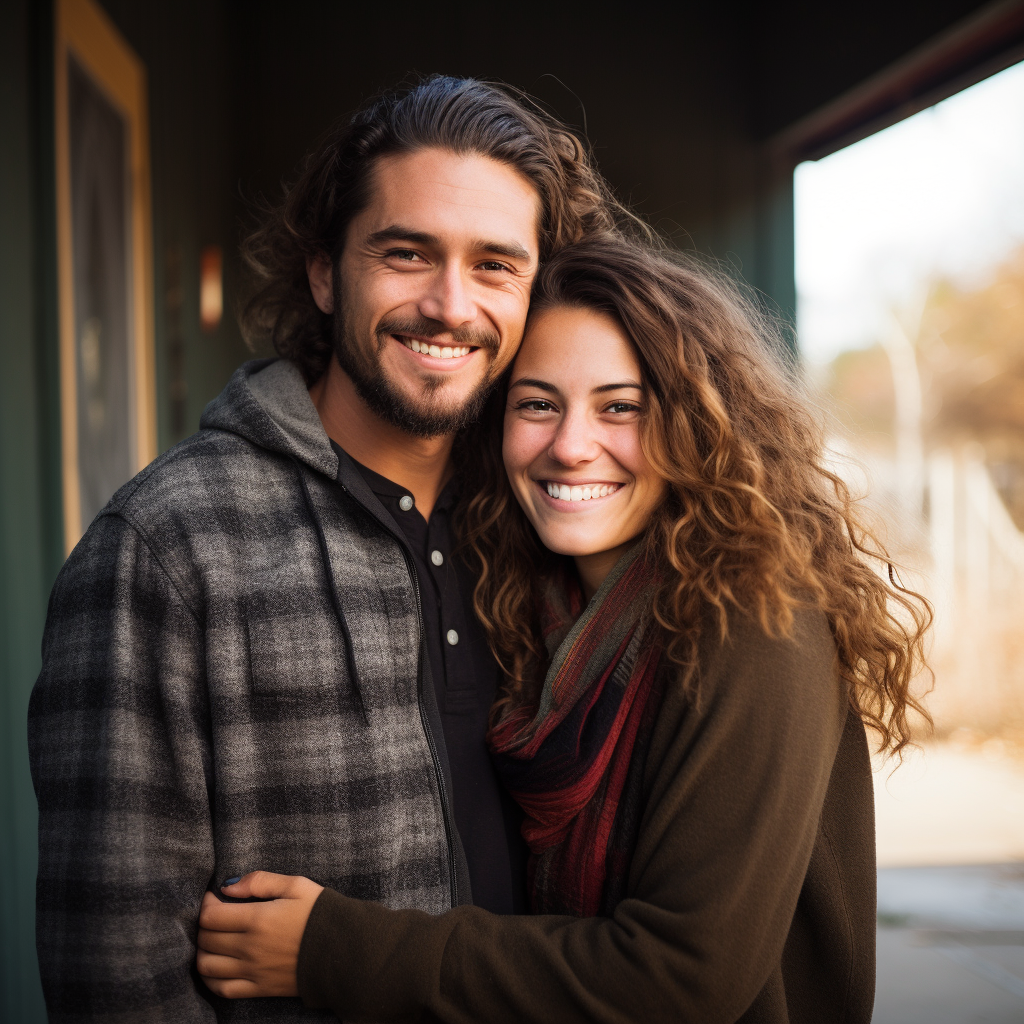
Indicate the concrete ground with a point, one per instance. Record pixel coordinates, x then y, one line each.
951 889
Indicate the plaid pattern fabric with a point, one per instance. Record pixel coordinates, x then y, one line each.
574 762
196 718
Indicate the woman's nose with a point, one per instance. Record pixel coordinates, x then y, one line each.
449 299
574 441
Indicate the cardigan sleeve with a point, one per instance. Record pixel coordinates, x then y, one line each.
120 756
735 788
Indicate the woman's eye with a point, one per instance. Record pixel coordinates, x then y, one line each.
623 407
535 405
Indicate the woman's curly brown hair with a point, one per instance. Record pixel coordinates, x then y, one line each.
461 115
753 521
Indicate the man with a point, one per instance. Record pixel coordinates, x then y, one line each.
263 652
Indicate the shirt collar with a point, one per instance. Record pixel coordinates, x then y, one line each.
383 487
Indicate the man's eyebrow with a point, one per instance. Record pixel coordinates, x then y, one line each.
401 233
510 250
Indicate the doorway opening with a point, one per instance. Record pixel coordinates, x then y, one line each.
910 282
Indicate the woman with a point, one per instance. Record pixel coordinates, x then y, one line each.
693 641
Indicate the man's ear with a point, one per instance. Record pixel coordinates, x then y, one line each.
321 282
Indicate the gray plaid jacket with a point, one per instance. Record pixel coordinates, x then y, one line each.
232 679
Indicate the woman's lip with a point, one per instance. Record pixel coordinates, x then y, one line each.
562 505
579 483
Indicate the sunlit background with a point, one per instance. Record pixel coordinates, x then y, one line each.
910 280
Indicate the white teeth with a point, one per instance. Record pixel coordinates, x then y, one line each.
580 493
447 352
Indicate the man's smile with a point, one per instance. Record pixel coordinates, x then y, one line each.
433 354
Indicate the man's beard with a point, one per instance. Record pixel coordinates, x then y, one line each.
386 400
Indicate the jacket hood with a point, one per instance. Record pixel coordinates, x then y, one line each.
267 403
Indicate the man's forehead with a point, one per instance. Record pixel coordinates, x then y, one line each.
431 191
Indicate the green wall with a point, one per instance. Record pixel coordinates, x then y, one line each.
29 547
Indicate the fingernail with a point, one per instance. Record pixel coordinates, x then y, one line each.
230 881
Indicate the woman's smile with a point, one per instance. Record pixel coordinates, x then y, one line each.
568 496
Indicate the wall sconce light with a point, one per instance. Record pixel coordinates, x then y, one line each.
211 287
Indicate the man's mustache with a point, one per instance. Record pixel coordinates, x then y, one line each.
423 327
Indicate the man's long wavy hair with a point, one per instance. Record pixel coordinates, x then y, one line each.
461 115
753 520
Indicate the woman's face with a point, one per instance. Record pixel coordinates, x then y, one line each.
572 435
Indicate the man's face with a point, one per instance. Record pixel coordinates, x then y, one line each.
433 286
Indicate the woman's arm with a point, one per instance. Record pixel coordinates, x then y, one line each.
735 794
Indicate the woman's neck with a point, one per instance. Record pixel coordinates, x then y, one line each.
594 569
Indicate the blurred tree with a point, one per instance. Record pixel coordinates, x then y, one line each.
971 353
859 393
971 356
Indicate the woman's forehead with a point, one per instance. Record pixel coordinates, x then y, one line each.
575 344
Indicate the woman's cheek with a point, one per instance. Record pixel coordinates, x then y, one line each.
522 444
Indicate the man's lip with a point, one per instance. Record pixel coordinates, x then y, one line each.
425 339
434 362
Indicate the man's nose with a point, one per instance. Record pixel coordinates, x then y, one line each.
574 441
449 299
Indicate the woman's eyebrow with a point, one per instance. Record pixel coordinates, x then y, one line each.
543 385
532 382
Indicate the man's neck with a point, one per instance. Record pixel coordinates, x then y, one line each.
418 463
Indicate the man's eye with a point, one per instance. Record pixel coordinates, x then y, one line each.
493 265
403 255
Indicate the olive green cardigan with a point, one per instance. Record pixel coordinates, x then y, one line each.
751 894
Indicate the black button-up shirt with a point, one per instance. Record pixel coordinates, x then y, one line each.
465 678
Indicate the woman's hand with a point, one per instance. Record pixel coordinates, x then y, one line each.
252 949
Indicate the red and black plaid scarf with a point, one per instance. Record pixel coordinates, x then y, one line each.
574 763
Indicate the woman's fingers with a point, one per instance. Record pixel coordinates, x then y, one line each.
256 942
232 988
222 943
214 965
263 884
224 917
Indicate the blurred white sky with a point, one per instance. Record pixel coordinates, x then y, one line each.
941 193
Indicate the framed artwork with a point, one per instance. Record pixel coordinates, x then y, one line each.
104 253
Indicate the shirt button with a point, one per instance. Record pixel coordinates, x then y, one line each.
453 637
436 557
405 502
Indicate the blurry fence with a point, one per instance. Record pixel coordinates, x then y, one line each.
977 551
946 521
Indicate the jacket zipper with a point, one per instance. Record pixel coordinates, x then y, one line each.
431 745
